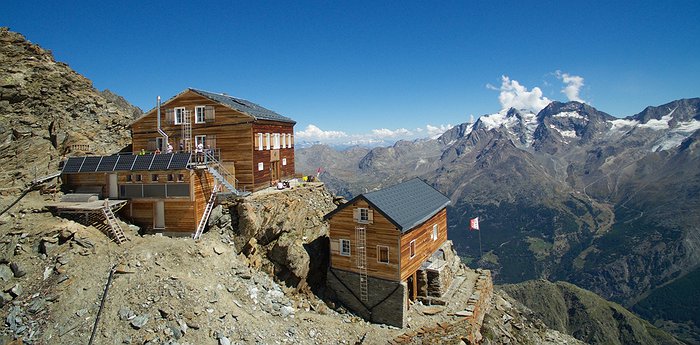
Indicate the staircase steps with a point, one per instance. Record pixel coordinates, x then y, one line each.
115 229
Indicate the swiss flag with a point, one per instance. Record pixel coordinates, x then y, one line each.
474 224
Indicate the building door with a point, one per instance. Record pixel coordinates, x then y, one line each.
113 188
274 171
159 216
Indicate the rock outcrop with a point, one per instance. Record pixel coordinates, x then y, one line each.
47 111
283 232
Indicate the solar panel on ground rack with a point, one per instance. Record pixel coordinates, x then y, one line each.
161 161
142 162
125 162
179 160
73 164
90 164
107 163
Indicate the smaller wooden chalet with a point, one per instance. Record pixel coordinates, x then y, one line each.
379 244
255 144
165 193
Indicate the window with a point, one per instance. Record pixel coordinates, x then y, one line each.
179 115
138 178
435 232
412 248
291 141
260 141
345 247
276 141
383 254
284 161
129 178
260 166
284 141
159 143
200 139
199 116
362 215
171 177
154 177
180 177
267 141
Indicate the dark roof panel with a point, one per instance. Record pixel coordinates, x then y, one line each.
244 106
90 164
125 162
107 163
406 205
73 165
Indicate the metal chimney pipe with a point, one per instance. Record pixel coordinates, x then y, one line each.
164 144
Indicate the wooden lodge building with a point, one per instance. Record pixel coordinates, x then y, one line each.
245 148
382 244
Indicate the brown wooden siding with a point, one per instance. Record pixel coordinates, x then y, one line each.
425 245
76 181
380 232
263 179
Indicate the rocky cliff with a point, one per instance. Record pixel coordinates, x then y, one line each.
47 110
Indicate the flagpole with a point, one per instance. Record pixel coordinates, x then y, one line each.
481 253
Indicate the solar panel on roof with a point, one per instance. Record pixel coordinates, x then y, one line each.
107 163
73 164
125 162
142 162
179 160
161 161
90 164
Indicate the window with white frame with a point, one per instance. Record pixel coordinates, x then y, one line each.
199 114
289 141
275 141
364 214
260 141
344 247
179 115
435 232
267 141
284 161
383 254
260 166
200 139
412 248
284 140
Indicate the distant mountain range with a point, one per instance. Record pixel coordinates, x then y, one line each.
570 193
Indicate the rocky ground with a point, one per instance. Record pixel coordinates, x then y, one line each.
173 290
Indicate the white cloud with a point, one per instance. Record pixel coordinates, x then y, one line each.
514 95
314 133
436 131
574 83
384 132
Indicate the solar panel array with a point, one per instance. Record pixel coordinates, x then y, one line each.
166 161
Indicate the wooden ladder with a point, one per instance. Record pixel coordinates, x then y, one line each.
361 237
207 212
116 229
186 131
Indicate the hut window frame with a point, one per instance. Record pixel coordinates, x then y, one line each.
383 254
179 115
345 247
199 114
412 248
434 235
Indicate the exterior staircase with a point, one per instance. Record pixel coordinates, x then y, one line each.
223 176
114 227
207 213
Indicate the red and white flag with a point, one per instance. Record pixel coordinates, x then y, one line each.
474 224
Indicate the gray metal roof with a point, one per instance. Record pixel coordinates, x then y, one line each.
246 107
406 205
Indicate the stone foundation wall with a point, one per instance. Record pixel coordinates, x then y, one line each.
386 300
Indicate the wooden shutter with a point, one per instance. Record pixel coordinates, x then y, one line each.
209 113
335 246
211 141
151 146
370 216
356 214
256 141
169 116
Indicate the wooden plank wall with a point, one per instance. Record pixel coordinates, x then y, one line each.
203 185
425 246
262 178
380 232
74 181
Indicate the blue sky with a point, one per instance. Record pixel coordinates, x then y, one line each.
363 70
